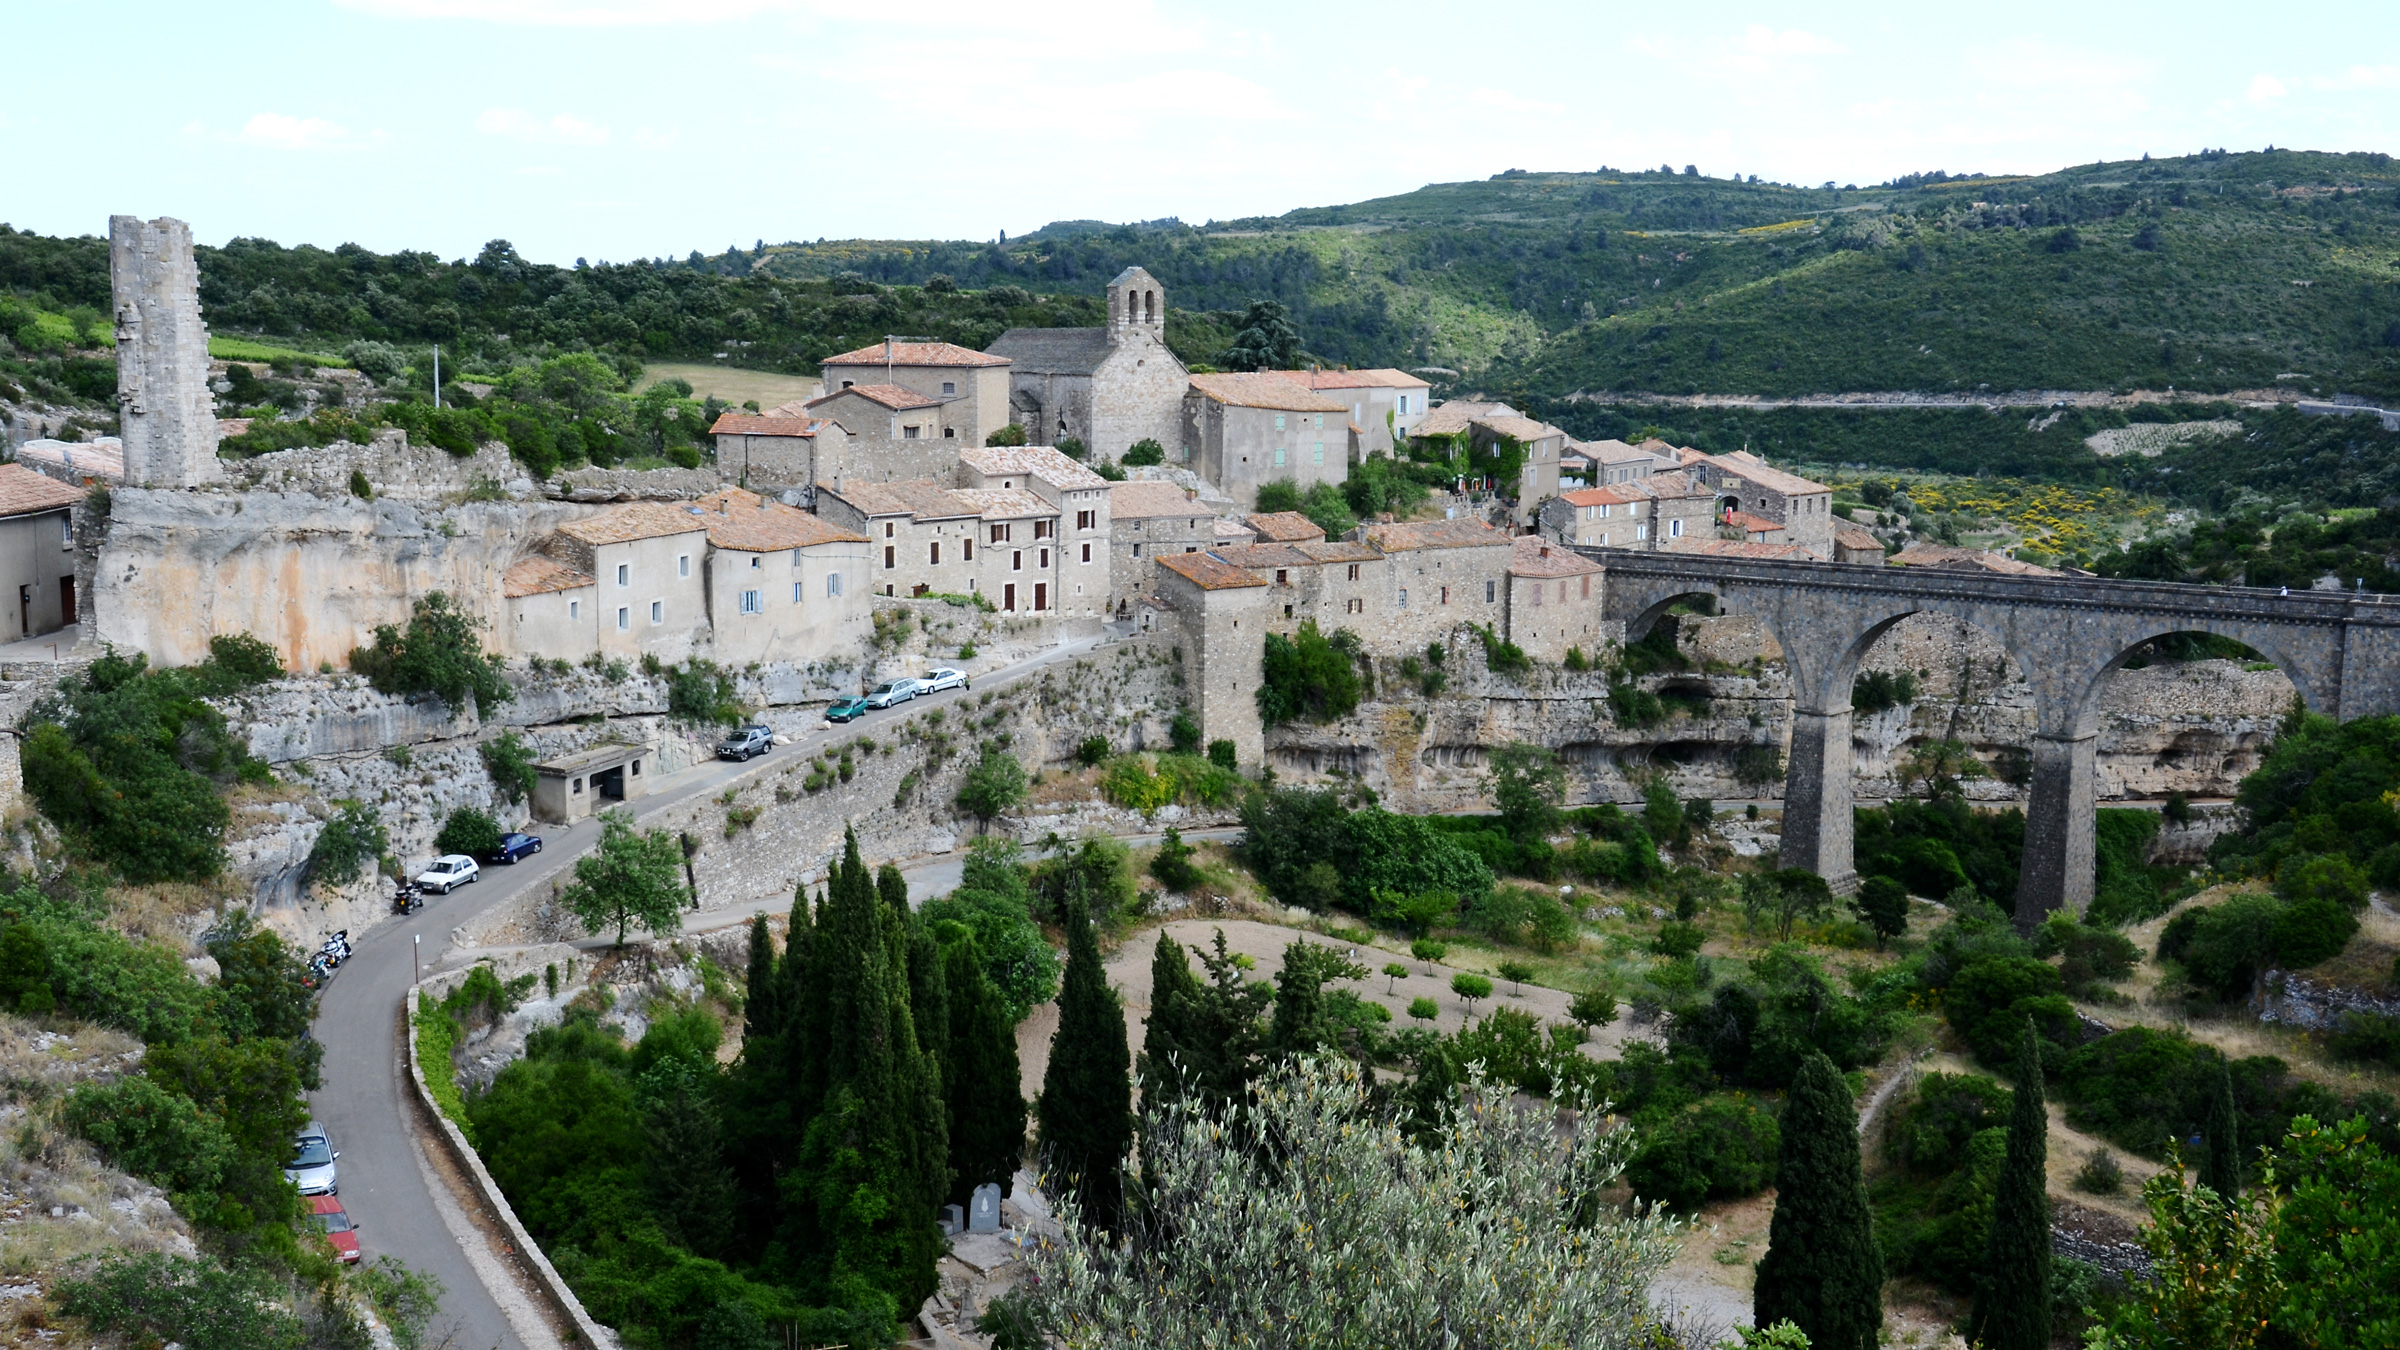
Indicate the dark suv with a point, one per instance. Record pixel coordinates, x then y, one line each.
746 742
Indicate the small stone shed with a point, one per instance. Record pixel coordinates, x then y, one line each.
589 781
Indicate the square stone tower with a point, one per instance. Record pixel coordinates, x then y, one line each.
1136 304
165 413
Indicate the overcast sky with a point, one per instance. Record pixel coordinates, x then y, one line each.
621 128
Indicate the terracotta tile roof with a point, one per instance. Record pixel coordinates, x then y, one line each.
1948 558
1742 463
537 575
1518 428
1853 536
1662 487
1005 503
1535 558
919 497
1041 461
748 523
23 492
1263 555
1407 538
1285 527
1234 531
796 408
1263 390
891 396
1599 496
1611 452
1208 571
1451 418
1143 498
1738 548
915 354
1753 523
1380 378
1338 551
755 424
632 521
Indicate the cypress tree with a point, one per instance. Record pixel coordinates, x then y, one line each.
861 1223
1170 1057
985 1094
2221 1164
761 1013
1822 1269
929 1002
2012 1295
892 888
1087 1094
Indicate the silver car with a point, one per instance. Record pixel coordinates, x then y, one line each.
941 678
311 1167
890 692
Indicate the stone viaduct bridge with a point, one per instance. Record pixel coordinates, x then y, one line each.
2066 635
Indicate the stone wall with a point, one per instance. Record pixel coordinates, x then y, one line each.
392 466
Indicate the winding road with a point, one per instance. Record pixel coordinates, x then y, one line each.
393 1179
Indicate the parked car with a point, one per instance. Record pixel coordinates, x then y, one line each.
449 872
746 742
890 692
514 846
311 1167
941 678
846 710
339 1231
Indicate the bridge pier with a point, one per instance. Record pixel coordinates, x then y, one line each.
1817 824
2060 857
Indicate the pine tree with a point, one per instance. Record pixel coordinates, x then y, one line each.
985 1096
2221 1164
2012 1297
1822 1269
873 1159
1087 1094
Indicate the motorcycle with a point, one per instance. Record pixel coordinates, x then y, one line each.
320 971
407 898
336 949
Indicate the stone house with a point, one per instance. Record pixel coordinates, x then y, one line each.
1148 519
1437 575
1242 430
1617 462
1553 595
775 453
1082 497
550 609
1220 623
1747 483
1003 543
970 387
891 433
1285 527
1855 544
1384 404
37 552
648 561
1450 420
1732 524
1678 508
1107 387
772 588
1599 517
1544 446
1334 585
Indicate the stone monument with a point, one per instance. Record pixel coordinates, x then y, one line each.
983 1209
165 413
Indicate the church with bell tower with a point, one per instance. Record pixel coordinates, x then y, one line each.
1106 387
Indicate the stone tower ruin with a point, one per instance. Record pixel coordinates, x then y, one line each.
165 413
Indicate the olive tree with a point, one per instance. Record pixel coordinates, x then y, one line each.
1306 1216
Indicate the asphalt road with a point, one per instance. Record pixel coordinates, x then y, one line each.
364 1103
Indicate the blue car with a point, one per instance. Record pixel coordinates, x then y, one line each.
515 846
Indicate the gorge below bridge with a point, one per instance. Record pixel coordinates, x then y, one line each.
2068 635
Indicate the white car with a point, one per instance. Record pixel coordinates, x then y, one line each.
890 692
941 678
449 872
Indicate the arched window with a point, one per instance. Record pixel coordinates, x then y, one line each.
1150 307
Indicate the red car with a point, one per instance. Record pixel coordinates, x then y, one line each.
339 1231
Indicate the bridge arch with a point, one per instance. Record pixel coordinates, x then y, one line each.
2317 685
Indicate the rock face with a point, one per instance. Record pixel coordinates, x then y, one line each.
2192 727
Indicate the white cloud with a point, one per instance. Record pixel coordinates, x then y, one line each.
519 125
2264 88
279 131
1761 40
2359 77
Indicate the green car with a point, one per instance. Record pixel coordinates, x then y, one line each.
846 710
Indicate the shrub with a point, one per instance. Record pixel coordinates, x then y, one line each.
1424 1009
1183 732
1593 1008
2314 929
1876 690
1677 940
511 764
244 660
2100 1174
1173 866
1221 754
1501 656
1145 451
1091 750
702 693
468 831
1721 1149
2331 878
1012 434
439 653
157 1298
2225 947
2366 1036
1307 676
994 784
354 837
